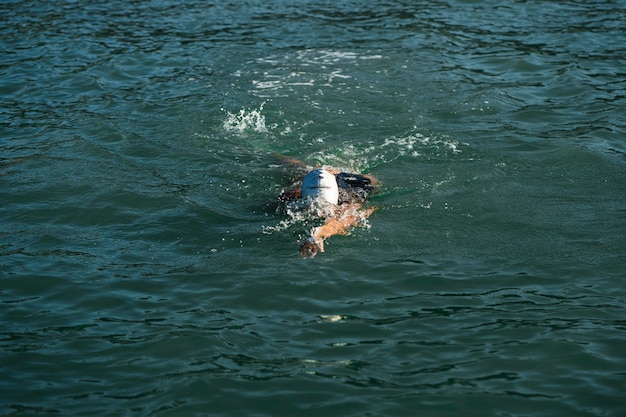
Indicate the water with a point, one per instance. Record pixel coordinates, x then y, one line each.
146 269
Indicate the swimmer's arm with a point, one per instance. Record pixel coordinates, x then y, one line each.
339 225
286 160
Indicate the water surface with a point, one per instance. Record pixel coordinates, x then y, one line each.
147 268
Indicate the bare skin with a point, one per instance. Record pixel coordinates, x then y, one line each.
345 217
349 216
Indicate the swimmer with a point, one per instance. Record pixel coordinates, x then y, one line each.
343 194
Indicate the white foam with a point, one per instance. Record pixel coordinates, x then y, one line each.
246 119
322 68
406 145
308 213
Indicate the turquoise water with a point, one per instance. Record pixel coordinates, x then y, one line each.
147 269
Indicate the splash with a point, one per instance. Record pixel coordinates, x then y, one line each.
246 120
304 212
359 158
416 144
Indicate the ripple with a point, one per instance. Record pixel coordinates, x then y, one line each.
138 179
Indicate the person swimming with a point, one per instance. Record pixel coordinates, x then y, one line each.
343 196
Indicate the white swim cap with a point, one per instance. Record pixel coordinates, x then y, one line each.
321 184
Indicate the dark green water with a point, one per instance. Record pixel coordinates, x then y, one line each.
145 269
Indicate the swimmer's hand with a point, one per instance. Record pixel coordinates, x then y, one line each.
310 247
